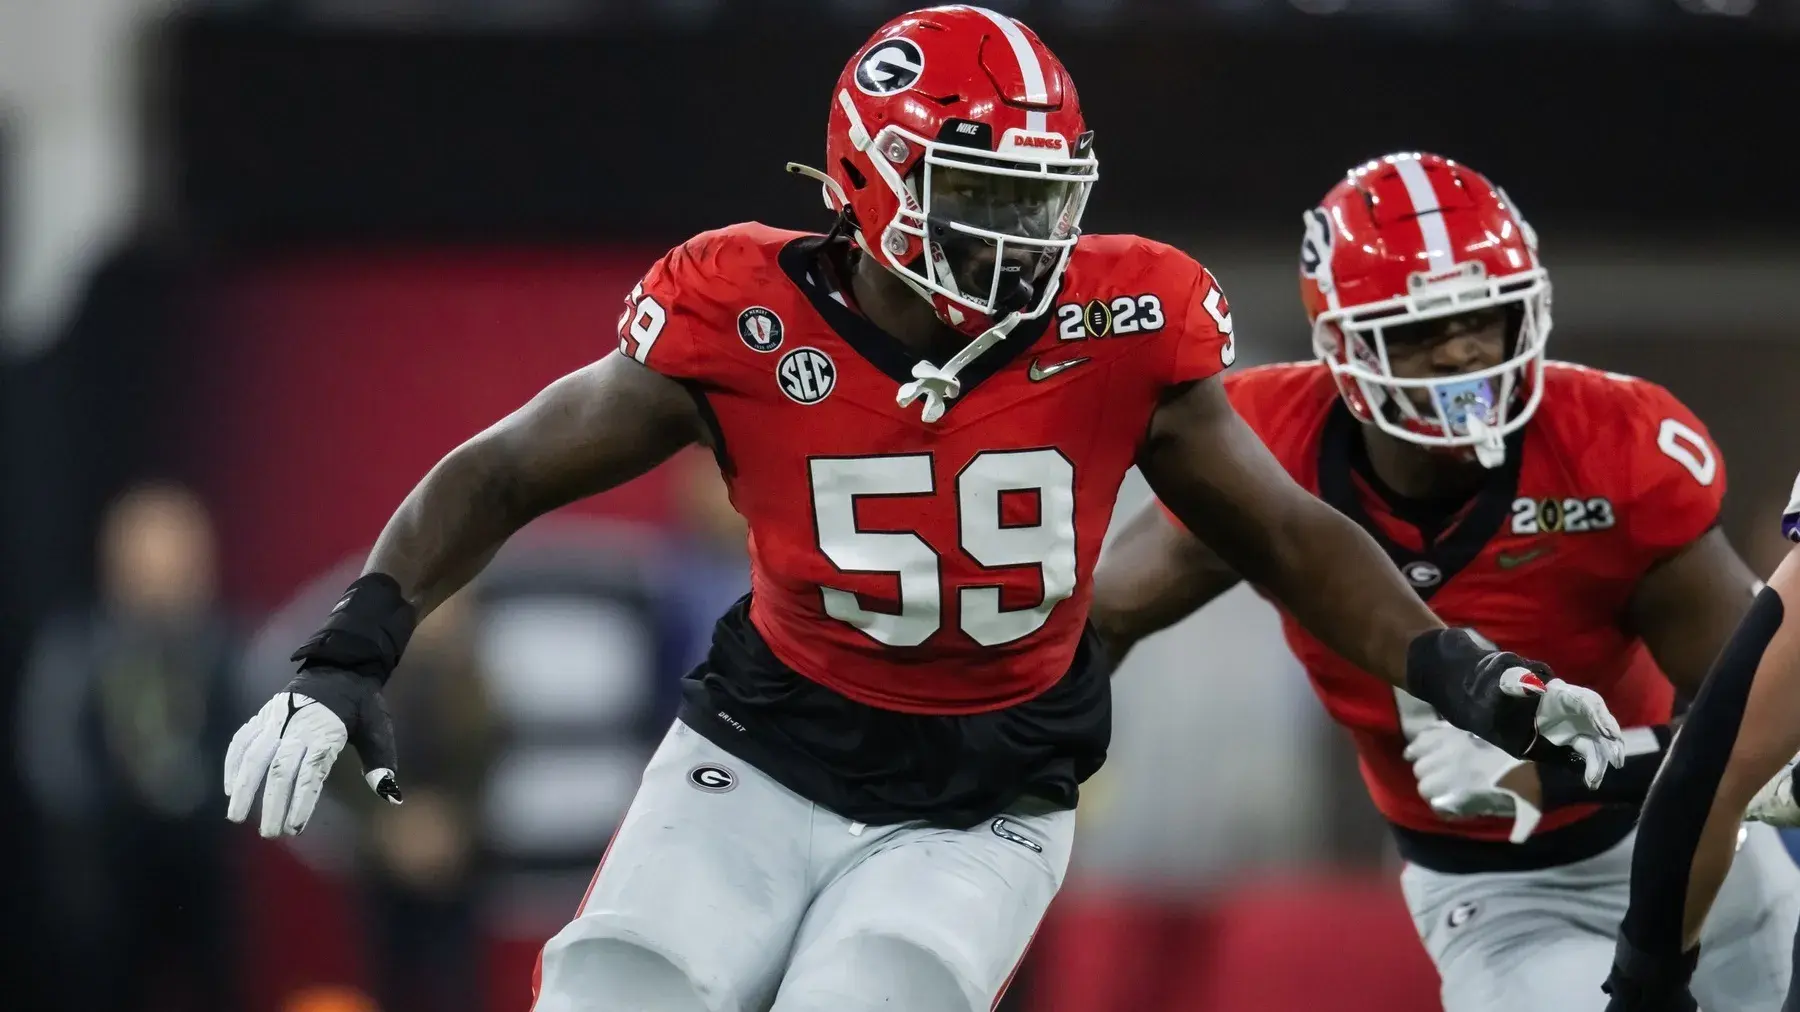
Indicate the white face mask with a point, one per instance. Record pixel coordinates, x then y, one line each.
1475 410
996 227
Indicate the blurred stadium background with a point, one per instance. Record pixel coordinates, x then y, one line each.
263 261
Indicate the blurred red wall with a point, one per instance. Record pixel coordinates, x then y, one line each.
323 387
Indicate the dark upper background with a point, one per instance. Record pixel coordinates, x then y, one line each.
285 128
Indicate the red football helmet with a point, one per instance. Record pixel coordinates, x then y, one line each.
1414 237
957 149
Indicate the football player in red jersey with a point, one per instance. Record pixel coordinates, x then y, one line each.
1736 752
1560 511
924 415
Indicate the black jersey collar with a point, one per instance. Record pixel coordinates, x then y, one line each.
800 258
1448 554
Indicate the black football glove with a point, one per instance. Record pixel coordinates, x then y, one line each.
1514 703
334 701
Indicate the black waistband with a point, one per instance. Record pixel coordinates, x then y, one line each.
1578 841
882 767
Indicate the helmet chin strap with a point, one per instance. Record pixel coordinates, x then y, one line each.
938 385
830 190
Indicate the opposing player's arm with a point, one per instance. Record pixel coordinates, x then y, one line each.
1152 575
592 430
1739 733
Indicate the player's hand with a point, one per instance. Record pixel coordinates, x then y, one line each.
1460 776
294 739
1512 702
1568 717
1774 804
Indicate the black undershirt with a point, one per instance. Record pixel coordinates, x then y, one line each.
882 767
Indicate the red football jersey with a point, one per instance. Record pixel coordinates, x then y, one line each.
1611 476
926 568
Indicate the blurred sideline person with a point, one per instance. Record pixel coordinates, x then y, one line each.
867 799
1560 511
708 567
422 874
126 709
1735 753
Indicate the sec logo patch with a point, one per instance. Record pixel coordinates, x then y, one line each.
806 375
760 328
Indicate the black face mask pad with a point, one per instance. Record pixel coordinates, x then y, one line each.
1013 208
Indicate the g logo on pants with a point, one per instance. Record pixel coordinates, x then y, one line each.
712 778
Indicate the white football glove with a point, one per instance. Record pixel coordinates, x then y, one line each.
1571 717
296 737
1459 776
1774 804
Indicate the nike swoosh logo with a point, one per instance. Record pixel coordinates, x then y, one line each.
1514 561
1003 829
292 709
1040 373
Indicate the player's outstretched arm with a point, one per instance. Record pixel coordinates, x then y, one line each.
593 429
1152 575
1210 469
1743 728
1213 473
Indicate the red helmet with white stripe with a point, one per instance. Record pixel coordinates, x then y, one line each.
1411 238
956 146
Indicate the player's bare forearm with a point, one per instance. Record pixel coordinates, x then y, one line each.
1153 574
1212 471
1686 607
589 431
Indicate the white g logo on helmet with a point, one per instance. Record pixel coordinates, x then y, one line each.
1315 249
890 68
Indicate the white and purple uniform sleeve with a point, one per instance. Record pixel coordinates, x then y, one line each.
1790 520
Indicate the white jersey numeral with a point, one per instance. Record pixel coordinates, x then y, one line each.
984 535
836 484
1688 448
641 324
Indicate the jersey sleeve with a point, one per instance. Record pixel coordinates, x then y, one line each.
672 315
1203 345
1677 476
